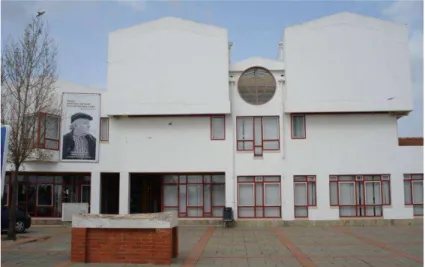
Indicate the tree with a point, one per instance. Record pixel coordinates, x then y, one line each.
28 69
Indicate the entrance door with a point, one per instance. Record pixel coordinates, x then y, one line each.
145 193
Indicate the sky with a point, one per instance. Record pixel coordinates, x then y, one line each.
80 28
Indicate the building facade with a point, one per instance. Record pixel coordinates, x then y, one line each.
310 135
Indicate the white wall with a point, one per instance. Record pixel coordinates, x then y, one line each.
168 66
347 62
350 144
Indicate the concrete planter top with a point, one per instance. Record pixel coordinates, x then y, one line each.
127 221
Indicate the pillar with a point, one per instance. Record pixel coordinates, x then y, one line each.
124 206
95 193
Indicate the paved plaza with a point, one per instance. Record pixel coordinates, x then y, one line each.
258 247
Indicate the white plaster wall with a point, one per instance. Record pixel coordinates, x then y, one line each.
348 144
168 66
347 62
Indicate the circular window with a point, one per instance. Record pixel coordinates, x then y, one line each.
257 86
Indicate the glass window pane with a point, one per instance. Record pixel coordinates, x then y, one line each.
170 179
418 192
104 129
373 193
271 178
218 179
333 188
271 128
272 195
52 127
45 195
194 212
258 133
85 194
347 211
346 194
207 198
407 193
218 128
312 194
300 193
245 128
245 212
271 144
194 195
246 195
259 194
258 151
194 179
418 210
386 193
182 198
170 195
301 212
246 179
272 212
218 195
298 129
375 211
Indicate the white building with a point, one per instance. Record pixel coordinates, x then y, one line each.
312 134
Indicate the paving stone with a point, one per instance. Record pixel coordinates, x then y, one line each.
243 247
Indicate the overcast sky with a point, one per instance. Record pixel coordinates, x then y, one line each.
81 28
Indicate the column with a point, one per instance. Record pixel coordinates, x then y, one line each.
124 193
229 190
95 193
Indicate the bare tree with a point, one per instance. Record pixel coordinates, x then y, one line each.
28 89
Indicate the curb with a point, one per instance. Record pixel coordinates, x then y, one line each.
25 240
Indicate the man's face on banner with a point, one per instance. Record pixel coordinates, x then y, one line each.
82 126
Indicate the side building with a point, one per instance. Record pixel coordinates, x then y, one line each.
309 136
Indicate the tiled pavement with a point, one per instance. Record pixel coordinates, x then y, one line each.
258 247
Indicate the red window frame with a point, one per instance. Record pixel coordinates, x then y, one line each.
410 180
211 127
27 179
40 142
360 208
263 180
307 180
102 119
182 180
252 141
292 126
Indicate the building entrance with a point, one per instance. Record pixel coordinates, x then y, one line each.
145 193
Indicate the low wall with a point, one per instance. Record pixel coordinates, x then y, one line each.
141 238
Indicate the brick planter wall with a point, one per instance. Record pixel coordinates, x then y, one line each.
142 246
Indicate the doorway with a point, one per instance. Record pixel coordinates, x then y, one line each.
145 193
110 193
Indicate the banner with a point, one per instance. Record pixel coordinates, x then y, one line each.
80 127
5 130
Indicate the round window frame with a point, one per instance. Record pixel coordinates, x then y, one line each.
267 72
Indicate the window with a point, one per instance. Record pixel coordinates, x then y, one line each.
413 192
298 127
304 195
257 134
44 130
104 129
45 195
194 196
85 193
360 195
218 128
259 197
257 86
